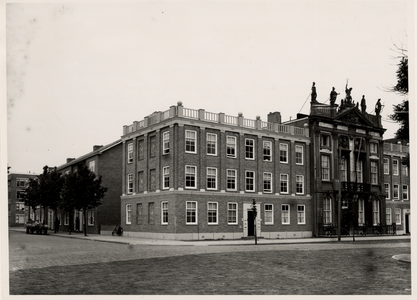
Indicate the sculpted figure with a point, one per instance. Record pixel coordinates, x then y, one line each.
333 96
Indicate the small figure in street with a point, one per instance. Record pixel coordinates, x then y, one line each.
77 224
313 93
378 107
363 104
333 96
56 225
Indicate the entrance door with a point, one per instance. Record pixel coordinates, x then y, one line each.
251 227
407 223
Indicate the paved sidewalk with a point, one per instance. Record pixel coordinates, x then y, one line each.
150 241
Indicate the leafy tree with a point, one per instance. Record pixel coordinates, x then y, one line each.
82 190
51 185
401 112
32 195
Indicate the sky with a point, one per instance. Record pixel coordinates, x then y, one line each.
76 73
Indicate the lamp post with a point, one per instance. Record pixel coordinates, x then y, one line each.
255 212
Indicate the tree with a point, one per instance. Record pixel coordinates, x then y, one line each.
51 185
82 190
401 112
32 195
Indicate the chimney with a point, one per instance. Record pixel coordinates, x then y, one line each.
96 147
274 117
70 159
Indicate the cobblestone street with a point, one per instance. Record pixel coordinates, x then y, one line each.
76 266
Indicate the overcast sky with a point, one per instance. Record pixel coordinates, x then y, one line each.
76 73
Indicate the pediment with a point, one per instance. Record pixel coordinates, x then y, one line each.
353 116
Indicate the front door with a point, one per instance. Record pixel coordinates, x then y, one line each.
407 223
251 227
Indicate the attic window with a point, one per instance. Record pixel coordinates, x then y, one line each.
325 141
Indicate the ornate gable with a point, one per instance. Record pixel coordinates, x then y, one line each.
353 116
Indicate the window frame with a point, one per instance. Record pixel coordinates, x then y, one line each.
269 210
211 179
298 184
397 216
303 214
388 209
327 210
128 214
210 144
404 192
361 211
215 215
192 210
231 146
374 172
395 189
228 179
230 211
286 184
283 153
267 181
165 142
90 218
387 191
299 155
129 183
250 179
190 141
395 170
375 212
325 170
165 178
267 151
285 215
130 153
164 213
373 148
386 166
195 177
249 149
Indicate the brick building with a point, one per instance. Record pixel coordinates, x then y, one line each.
105 161
16 189
397 185
192 174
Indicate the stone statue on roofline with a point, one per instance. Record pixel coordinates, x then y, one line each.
378 107
313 93
333 96
363 104
348 98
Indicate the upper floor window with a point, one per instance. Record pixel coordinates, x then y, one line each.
267 182
191 177
250 181
190 141
211 144
396 192
165 142
387 191
404 169
231 180
343 169
284 183
386 166
405 192
211 178
325 167
152 142
395 167
92 165
249 148
298 154
21 182
283 153
130 183
299 184
231 146
359 171
165 174
373 148
267 145
20 194
141 149
374 172
130 153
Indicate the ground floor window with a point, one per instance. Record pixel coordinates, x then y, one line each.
164 212
151 218
232 213
66 221
20 219
388 216
128 213
90 218
139 213
361 217
191 212
398 216
285 214
301 214
327 210
269 214
375 211
212 213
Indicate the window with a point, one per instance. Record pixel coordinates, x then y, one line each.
20 206
299 155
90 218
129 183
92 165
398 216
190 177
373 148
250 181
152 142
405 192
249 146
285 214
299 184
165 175
164 212
151 215
361 217
395 167
141 149
396 192
191 212
375 212
211 144
21 182
211 178
374 172
20 194
231 146
284 183
267 150
387 191
327 210
139 213
388 219
386 166
190 141
152 176
141 181
343 169
231 180
232 213
20 219
359 171
325 167
212 213
301 214
128 213
66 220
283 153
404 170
165 142
269 214
325 141
267 182
129 153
